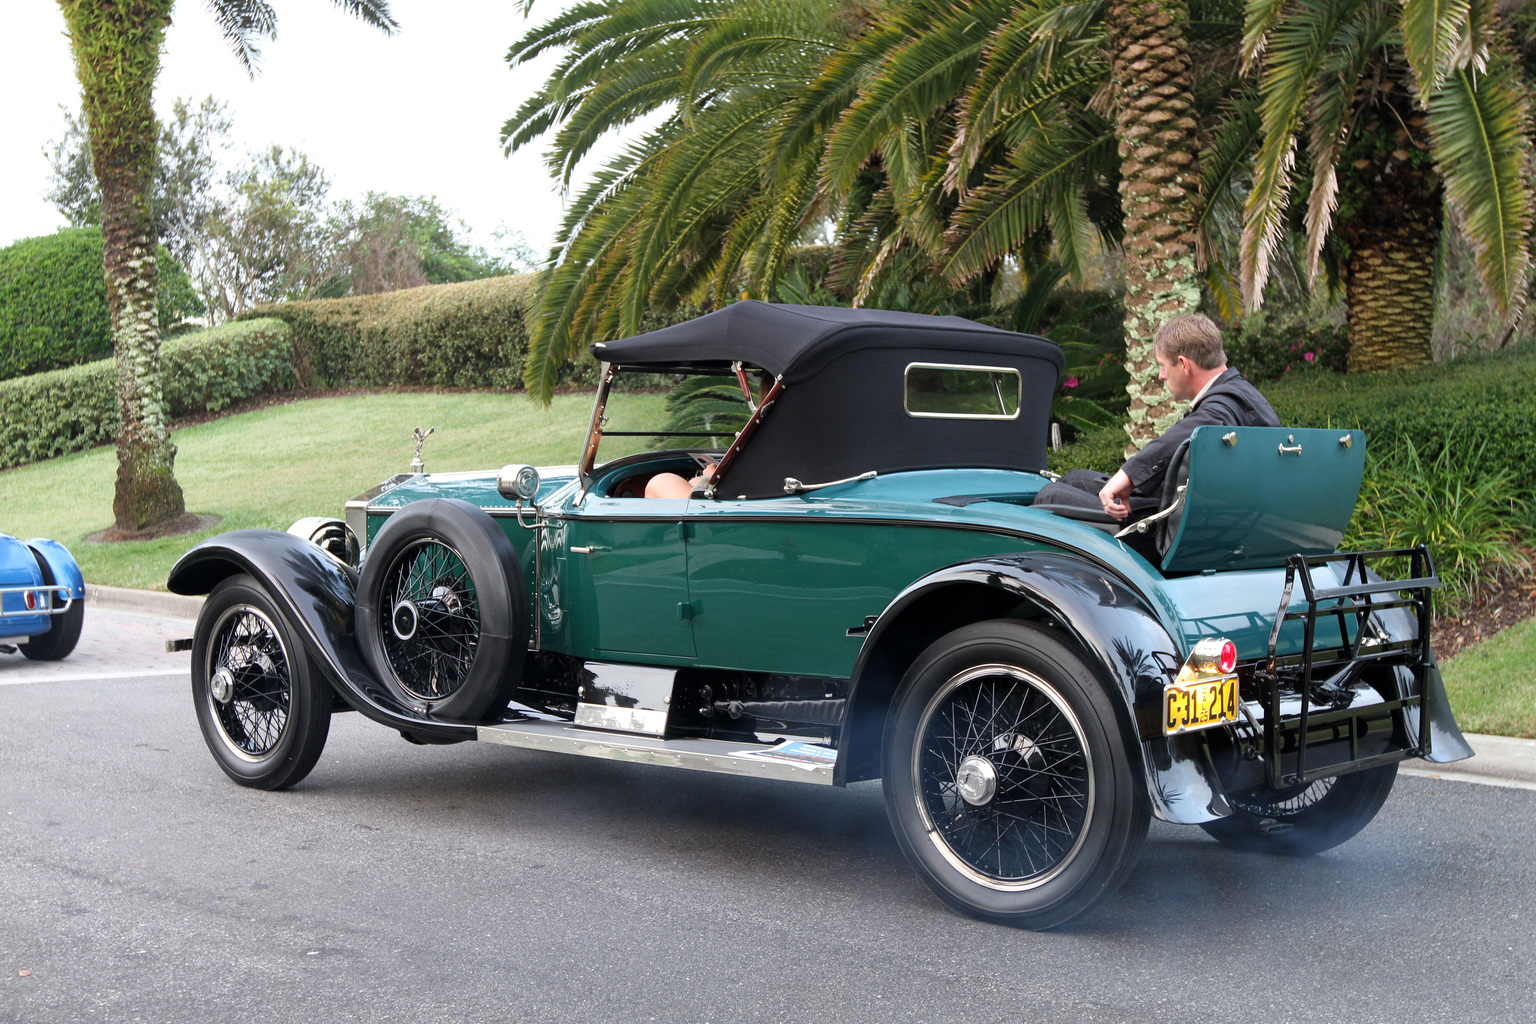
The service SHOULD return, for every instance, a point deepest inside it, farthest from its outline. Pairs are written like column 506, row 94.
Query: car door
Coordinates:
column 777, row 584
column 622, row 571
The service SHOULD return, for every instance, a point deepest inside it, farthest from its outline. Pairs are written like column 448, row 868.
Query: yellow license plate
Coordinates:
column 1199, row 705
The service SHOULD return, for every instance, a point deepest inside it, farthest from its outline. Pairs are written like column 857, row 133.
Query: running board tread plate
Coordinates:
column 725, row 757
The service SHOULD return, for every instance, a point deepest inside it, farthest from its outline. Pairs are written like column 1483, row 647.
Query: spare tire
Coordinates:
column 442, row 610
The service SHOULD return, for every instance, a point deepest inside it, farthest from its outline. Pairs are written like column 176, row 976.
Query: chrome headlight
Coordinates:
column 332, row 536
column 517, row 483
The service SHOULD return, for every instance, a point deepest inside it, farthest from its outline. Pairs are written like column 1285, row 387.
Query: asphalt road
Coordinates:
column 479, row 883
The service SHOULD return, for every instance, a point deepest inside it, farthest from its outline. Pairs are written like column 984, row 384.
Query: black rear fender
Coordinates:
column 1107, row 620
column 318, row 593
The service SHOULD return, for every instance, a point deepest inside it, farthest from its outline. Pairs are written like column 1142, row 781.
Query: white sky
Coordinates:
column 416, row 113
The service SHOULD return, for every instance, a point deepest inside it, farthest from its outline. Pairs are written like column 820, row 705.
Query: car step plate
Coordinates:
column 730, row 757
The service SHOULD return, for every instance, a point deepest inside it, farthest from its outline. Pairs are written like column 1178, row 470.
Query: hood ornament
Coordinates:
column 421, row 438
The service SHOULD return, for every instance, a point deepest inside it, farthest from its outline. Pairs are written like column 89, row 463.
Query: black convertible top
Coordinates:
column 842, row 407
column 796, row 341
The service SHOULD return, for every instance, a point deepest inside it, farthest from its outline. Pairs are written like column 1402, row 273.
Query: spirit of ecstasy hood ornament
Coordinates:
column 421, row 438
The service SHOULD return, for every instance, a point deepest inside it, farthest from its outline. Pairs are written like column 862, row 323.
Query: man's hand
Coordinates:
column 1116, row 495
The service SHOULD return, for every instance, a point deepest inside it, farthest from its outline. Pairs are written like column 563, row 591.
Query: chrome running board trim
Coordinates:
column 725, row 757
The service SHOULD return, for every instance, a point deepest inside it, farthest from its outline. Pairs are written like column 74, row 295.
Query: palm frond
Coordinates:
column 1480, row 128
column 1434, row 35
column 241, row 22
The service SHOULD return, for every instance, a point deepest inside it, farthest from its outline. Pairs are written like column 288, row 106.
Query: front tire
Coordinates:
column 1008, row 783
column 264, row 710
column 1304, row 820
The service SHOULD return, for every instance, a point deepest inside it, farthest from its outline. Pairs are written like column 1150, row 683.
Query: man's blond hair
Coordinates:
column 1193, row 336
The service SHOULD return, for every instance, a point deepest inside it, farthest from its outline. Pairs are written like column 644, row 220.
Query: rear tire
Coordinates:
column 263, row 707
column 63, row 629
column 1304, row 820
column 1007, row 779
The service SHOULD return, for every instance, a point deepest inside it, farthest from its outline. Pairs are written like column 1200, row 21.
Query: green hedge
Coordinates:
column 469, row 334
column 1475, row 400
column 62, row 411
column 53, row 301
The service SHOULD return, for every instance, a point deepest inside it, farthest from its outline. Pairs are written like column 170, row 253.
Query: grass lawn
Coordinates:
column 1492, row 685
column 274, row 465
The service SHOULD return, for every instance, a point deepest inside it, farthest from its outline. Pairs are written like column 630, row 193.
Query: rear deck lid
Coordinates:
column 1257, row 495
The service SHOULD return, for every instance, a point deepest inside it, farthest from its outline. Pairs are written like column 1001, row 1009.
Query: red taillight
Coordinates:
column 1226, row 661
column 30, row 599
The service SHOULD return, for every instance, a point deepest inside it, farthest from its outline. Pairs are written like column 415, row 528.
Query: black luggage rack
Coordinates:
column 1327, row 677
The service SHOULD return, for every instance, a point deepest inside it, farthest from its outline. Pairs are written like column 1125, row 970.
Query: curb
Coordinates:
column 142, row 602
column 1497, row 761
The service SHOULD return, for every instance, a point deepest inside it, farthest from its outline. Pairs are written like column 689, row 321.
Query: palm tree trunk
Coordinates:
column 116, row 46
column 1159, row 191
column 1392, row 232
column 1389, row 284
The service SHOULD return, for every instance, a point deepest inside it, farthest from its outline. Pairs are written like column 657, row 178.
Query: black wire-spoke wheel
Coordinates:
column 1300, row 821
column 434, row 622
column 442, row 613
column 250, row 683
column 263, row 709
column 1007, row 780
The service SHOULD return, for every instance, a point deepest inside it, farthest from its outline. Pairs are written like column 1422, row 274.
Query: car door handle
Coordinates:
column 588, row 549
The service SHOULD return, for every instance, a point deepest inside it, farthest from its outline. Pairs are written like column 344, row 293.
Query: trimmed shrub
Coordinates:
column 1487, row 402
column 53, row 301
column 468, row 334
column 1272, row 352
column 75, row 408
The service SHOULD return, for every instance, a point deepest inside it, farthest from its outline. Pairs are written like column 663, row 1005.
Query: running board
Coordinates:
column 727, row 757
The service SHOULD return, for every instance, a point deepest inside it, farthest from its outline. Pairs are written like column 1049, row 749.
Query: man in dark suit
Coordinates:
column 1193, row 365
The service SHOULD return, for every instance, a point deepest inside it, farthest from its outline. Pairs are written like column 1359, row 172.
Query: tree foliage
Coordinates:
column 1327, row 67
column 53, row 301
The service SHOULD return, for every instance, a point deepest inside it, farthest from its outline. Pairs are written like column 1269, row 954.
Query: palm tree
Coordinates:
column 1407, row 109
column 1039, row 108
column 116, row 46
column 938, row 136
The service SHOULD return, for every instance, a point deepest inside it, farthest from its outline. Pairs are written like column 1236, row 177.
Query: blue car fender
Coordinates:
column 65, row 570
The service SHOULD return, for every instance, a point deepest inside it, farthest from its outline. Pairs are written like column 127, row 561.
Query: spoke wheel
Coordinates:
column 1004, row 781
column 442, row 611
column 1304, row 820
column 1007, row 779
column 434, row 625
column 263, row 710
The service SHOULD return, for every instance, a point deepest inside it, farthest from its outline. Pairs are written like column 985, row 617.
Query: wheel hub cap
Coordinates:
column 403, row 620
column 222, row 685
column 976, row 780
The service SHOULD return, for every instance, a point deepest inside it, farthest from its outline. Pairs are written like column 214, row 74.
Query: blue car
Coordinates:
column 42, row 598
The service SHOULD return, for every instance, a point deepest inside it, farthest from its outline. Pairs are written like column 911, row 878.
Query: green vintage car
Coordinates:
column 862, row 588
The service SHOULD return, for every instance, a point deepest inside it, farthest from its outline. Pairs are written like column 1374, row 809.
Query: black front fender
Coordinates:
column 319, row 594
column 1109, row 621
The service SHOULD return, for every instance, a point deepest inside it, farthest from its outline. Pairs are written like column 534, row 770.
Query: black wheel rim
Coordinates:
column 253, row 715
column 1037, row 816
column 430, row 619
